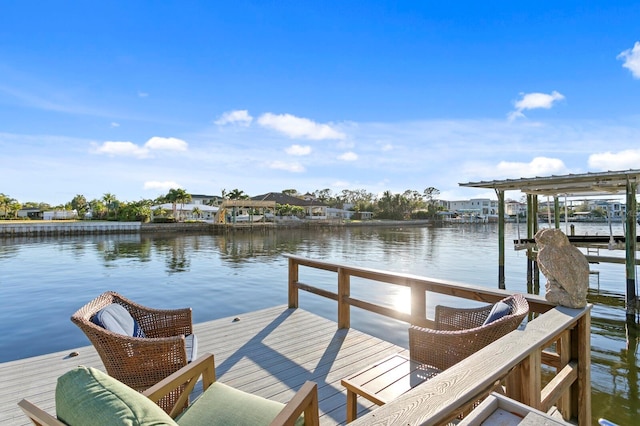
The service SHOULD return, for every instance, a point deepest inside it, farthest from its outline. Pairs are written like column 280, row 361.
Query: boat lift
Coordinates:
column 572, row 185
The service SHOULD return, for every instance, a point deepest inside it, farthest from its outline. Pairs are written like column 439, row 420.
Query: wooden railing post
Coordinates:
column 563, row 348
column 418, row 304
column 583, row 384
column 531, row 379
column 293, row 279
column 512, row 382
column 344, row 291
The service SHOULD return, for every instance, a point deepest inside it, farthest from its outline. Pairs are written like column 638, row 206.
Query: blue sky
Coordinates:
column 135, row 98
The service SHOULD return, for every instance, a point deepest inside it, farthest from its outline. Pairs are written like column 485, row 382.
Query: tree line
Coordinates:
column 410, row 204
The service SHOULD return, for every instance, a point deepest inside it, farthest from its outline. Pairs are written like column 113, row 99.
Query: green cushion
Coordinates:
column 226, row 406
column 87, row 396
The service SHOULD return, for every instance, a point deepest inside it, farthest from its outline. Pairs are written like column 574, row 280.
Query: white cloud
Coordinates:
column 514, row 115
column 296, row 127
column 538, row 100
column 126, row 149
column 163, row 186
column 631, row 59
column 539, row 166
column 438, row 153
column 298, row 150
column 623, row 160
column 240, row 117
column 114, row 124
column 290, row 167
column 534, row 101
column 166, row 144
column 129, row 149
column 348, row 156
column 387, row 147
column 142, row 94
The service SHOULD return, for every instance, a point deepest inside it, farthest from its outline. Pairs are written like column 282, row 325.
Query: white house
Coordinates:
column 333, row 213
column 513, row 208
column 186, row 211
column 480, row 206
column 60, row 215
column 209, row 200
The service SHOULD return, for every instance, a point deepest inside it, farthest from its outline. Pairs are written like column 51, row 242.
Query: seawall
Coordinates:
column 11, row 229
column 59, row 228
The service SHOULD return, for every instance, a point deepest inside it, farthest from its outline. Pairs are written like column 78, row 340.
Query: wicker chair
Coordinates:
column 139, row 362
column 462, row 332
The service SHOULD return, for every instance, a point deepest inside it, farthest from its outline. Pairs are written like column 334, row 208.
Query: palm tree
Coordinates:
column 79, row 204
column 172, row 197
column 237, row 194
column 159, row 212
column 15, row 207
column 4, row 202
column 178, row 195
column 430, row 194
column 109, row 200
column 196, row 212
column 97, row 208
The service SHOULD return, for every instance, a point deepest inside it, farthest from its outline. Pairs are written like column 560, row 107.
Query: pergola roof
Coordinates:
column 603, row 183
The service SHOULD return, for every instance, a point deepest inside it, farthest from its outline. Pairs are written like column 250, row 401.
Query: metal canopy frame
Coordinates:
column 573, row 185
column 595, row 184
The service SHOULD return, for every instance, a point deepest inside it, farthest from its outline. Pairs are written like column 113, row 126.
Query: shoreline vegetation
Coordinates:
column 348, row 208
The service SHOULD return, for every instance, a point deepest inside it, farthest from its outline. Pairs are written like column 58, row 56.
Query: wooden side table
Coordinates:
column 384, row 381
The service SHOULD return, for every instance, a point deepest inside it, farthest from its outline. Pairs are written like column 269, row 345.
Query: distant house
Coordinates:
column 515, row 208
column 480, row 206
column 209, row 200
column 347, row 212
column 60, row 215
column 31, row 213
column 334, row 213
column 186, row 211
column 313, row 208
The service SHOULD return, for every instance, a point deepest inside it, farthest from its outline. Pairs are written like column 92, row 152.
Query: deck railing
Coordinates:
column 545, row 365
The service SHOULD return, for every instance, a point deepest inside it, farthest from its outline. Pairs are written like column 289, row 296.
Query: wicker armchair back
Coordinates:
column 462, row 332
column 139, row 362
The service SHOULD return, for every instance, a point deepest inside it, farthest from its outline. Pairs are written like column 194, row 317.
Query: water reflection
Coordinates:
column 614, row 358
column 8, row 251
column 175, row 252
column 114, row 250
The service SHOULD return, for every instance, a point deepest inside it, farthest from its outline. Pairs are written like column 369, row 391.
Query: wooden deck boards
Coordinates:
column 271, row 353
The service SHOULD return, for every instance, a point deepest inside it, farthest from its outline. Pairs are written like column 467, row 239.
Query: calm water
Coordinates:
column 44, row 280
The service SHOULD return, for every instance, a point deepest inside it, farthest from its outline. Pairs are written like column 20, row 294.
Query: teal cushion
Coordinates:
column 225, row 406
column 87, row 396
column 498, row 311
column 116, row 318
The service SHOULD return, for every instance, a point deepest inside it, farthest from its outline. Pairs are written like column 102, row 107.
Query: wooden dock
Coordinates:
column 270, row 353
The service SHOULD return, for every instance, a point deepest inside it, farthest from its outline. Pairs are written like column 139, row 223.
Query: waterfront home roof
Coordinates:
column 281, row 198
column 204, row 196
column 602, row 183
